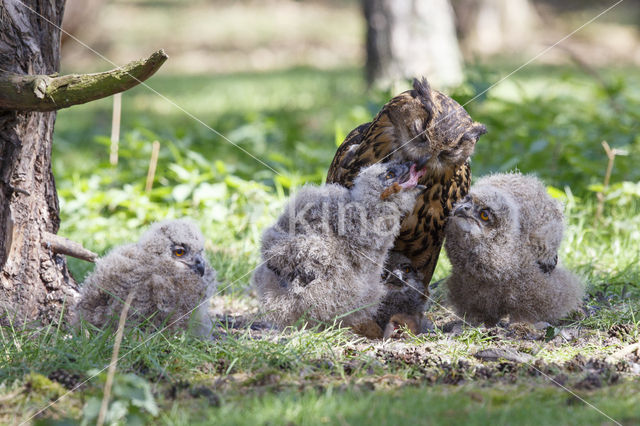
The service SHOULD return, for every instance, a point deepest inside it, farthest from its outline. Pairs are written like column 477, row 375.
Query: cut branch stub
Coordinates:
column 61, row 245
column 51, row 93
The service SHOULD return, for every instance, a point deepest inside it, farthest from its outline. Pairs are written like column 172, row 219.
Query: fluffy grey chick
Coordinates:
column 323, row 258
column 166, row 269
column 503, row 240
column 405, row 295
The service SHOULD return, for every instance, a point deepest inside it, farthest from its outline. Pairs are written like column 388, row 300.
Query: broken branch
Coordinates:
column 61, row 245
column 51, row 93
column 611, row 155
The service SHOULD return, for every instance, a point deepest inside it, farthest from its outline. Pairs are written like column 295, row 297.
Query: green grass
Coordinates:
column 445, row 405
column 302, row 377
column 545, row 120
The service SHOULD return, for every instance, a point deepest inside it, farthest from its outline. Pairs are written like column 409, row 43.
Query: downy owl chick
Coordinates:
column 323, row 259
column 502, row 240
column 405, row 296
column 167, row 271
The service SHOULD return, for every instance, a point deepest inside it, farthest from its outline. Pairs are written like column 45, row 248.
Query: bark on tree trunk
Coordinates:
column 412, row 38
column 34, row 282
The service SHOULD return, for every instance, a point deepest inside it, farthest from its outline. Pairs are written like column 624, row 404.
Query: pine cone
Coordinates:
column 65, row 378
column 621, row 330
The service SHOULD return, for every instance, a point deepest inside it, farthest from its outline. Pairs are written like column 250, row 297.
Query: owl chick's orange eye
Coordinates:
column 390, row 175
column 179, row 252
column 407, row 269
column 484, row 215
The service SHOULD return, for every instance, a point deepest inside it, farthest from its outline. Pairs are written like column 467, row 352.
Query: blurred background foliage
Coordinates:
column 284, row 80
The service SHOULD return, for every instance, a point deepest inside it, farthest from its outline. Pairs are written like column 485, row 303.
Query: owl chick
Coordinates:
column 166, row 270
column 405, row 295
column 503, row 241
column 323, row 258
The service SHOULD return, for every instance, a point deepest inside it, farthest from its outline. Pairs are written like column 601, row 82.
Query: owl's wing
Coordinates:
column 340, row 169
column 365, row 145
column 297, row 275
column 545, row 243
column 162, row 296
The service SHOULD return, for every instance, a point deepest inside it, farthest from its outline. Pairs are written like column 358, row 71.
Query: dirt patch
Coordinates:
column 568, row 355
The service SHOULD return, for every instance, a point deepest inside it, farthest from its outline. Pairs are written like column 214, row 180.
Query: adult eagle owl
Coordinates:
column 427, row 127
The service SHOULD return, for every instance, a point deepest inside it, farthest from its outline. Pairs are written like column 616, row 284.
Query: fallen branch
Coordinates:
column 61, row 245
column 50, row 93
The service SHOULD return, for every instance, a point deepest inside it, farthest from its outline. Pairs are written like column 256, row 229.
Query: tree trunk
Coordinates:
column 35, row 282
column 489, row 27
column 412, row 38
column 79, row 19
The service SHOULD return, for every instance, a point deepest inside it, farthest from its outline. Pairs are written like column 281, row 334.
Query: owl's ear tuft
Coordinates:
column 422, row 91
column 422, row 88
column 477, row 130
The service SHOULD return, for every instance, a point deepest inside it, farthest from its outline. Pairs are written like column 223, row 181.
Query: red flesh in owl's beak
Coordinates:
column 414, row 177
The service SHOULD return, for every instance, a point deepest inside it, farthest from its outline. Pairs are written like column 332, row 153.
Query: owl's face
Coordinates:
column 440, row 131
column 387, row 179
column 384, row 180
column 486, row 215
column 188, row 257
column 178, row 244
column 403, row 175
column 400, row 273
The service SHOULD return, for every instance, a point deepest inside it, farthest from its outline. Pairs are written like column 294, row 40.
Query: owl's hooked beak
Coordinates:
column 411, row 178
column 462, row 210
column 422, row 162
column 398, row 274
column 463, row 207
column 198, row 265
column 463, row 219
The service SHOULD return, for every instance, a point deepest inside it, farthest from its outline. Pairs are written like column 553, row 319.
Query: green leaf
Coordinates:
column 209, row 191
column 117, row 410
column 181, row 192
column 556, row 193
column 182, row 173
column 91, row 410
column 551, row 333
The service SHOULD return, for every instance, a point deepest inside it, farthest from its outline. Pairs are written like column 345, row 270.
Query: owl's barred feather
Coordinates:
column 503, row 241
column 418, row 125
